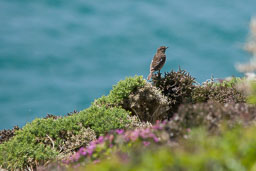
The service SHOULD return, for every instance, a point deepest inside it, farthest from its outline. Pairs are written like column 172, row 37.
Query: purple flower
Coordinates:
column 146, row 143
column 96, row 161
column 82, row 151
column 76, row 166
column 65, row 161
column 156, row 139
column 156, row 127
column 145, row 133
column 164, row 122
column 119, row 131
column 100, row 140
column 91, row 148
column 75, row 157
column 110, row 138
column 134, row 135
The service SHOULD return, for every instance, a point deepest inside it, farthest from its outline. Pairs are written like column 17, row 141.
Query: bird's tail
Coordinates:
column 150, row 75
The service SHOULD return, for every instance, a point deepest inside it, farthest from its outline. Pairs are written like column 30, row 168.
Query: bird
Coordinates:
column 158, row 61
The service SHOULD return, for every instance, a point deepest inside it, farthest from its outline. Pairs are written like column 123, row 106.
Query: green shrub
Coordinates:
column 43, row 139
column 148, row 103
column 180, row 88
column 102, row 119
column 230, row 83
column 220, row 92
column 23, row 151
column 177, row 86
column 252, row 93
column 210, row 115
column 121, row 91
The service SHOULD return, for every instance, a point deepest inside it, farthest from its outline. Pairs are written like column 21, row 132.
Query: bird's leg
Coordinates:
column 158, row 73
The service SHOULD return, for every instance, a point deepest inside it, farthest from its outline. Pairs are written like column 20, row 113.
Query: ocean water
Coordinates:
column 57, row 55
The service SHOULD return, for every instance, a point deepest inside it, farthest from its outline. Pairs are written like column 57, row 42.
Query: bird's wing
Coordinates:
column 157, row 63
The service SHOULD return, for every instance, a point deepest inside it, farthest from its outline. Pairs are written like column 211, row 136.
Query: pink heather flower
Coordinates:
column 134, row 135
column 156, row 127
column 188, row 129
column 126, row 137
column 119, row 131
column 164, row 122
column 145, row 133
column 159, row 125
column 93, row 143
column 156, row 139
column 65, row 161
column 100, row 140
column 76, row 166
column 111, row 137
column 96, row 161
column 76, row 157
column 146, row 143
column 82, row 151
column 91, row 148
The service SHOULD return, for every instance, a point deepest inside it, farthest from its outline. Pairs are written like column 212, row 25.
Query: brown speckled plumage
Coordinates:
column 158, row 61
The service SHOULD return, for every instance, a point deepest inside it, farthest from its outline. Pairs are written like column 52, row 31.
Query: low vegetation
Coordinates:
column 117, row 129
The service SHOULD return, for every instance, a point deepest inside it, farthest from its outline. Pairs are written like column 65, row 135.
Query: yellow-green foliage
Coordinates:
column 230, row 83
column 102, row 119
column 233, row 150
column 33, row 144
column 252, row 96
column 121, row 91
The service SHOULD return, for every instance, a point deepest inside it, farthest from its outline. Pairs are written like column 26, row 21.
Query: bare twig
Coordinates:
column 50, row 140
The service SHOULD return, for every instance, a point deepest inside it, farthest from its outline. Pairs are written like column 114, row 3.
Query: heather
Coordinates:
column 229, row 150
column 135, row 117
column 158, row 148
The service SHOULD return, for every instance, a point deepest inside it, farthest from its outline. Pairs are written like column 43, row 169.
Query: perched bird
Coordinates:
column 158, row 61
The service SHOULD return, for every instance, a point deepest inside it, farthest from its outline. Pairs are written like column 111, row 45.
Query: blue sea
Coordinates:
column 57, row 56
